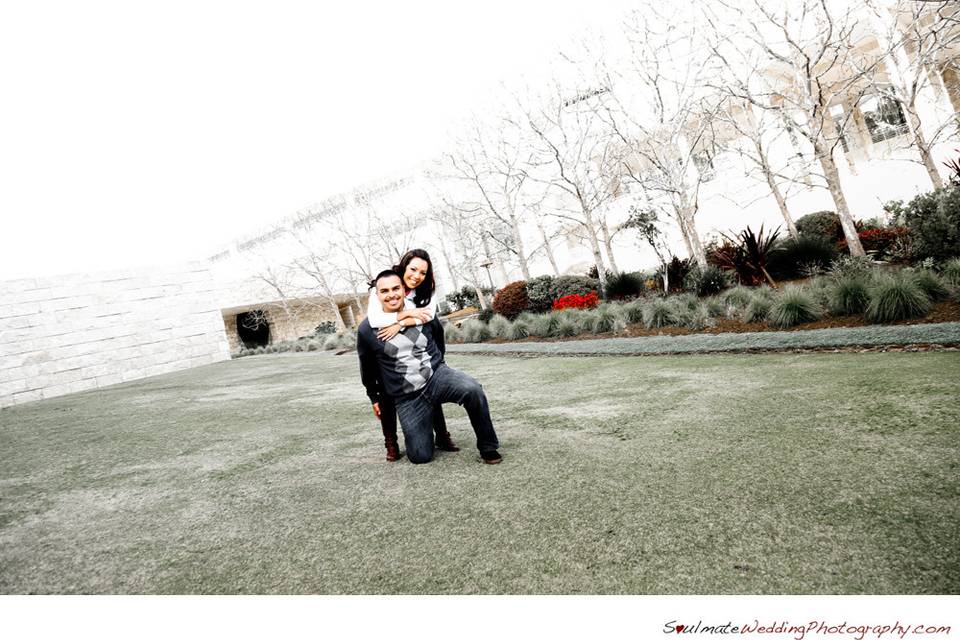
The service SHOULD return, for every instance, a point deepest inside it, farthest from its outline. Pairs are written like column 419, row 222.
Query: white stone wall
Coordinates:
column 70, row 333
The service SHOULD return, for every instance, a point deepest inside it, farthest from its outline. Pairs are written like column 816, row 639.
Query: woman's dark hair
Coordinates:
column 424, row 292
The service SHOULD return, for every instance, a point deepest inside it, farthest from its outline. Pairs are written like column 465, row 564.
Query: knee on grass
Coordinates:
column 420, row 455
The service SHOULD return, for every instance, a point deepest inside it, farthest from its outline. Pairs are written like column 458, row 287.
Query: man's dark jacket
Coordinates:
column 401, row 366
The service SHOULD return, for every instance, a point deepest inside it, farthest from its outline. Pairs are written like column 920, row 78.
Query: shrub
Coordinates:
column 795, row 257
column 951, row 272
column 850, row 266
column 757, row 309
column 696, row 318
column 511, row 300
column 659, row 313
column 519, row 329
column 677, row 271
column 467, row 297
column 794, row 306
column 540, row 294
column 625, row 285
column 332, row 342
column 848, row 295
column 825, row 224
column 444, row 308
column 931, row 284
column 573, row 285
column 485, row 315
column 880, row 244
column 499, row 326
column 706, row 281
column 326, row 327
column 577, row 301
column 895, row 298
column 933, row 223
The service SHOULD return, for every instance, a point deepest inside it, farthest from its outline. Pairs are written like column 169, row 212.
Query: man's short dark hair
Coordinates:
column 386, row 273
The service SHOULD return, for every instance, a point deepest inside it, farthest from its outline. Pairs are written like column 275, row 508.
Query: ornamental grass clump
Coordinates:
column 794, row 306
column 738, row 297
column 931, row 284
column 848, row 296
column 715, row 307
column 542, row 326
column 633, row 312
column 452, row 333
column 566, row 328
column 697, row 318
column 951, row 272
column 895, row 298
column 519, row 329
column 606, row 319
column 332, row 342
column 758, row 309
column 499, row 326
column 658, row 314
column 475, row 331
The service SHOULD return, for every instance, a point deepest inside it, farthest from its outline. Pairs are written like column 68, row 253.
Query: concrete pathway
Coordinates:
column 947, row 333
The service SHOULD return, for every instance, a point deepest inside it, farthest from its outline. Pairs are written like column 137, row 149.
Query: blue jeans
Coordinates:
column 445, row 385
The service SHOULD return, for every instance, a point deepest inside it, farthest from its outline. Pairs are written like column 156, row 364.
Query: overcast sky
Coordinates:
column 137, row 133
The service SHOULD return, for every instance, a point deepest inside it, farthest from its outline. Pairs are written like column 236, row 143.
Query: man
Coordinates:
column 410, row 368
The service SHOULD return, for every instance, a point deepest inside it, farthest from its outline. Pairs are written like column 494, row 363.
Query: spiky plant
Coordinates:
column 794, row 306
column 738, row 297
column 605, row 319
column 452, row 333
column 697, row 319
column 475, row 331
column 849, row 295
column 715, row 307
column 895, row 298
column 659, row 313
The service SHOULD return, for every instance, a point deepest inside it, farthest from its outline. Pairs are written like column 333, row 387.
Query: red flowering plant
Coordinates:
column 575, row 301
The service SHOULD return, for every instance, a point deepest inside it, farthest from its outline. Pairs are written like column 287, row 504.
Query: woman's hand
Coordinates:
column 421, row 314
column 387, row 333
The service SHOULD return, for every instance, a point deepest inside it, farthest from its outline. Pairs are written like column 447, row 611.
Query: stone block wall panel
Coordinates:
column 85, row 331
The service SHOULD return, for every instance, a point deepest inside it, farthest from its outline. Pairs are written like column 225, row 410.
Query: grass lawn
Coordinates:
column 802, row 473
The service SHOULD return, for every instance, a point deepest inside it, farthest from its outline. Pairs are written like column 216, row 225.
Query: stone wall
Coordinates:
column 70, row 333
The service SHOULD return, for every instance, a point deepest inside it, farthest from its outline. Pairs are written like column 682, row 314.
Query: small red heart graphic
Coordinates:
column 681, row 627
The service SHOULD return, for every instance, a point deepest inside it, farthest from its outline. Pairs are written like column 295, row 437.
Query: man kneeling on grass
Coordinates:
column 412, row 371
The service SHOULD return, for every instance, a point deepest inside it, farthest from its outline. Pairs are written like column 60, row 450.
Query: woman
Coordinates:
column 416, row 271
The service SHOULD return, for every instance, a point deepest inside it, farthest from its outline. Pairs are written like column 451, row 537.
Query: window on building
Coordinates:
column 884, row 116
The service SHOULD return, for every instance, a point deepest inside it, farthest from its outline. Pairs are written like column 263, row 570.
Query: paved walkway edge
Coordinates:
column 947, row 333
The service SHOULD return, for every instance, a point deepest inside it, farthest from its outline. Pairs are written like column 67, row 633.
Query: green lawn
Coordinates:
column 795, row 473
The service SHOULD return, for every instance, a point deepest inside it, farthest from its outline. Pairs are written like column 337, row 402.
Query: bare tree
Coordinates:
column 574, row 158
column 916, row 40
column 810, row 60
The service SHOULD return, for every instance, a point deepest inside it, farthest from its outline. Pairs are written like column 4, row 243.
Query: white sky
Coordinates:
column 139, row 133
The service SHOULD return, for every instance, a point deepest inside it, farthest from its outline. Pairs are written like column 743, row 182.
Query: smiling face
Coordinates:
column 390, row 293
column 415, row 273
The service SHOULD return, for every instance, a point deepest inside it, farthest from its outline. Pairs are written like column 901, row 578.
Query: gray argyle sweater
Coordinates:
column 401, row 366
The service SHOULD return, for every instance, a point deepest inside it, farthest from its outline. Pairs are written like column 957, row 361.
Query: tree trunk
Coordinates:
column 481, row 298
column 608, row 244
column 775, row 190
column 913, row 118
column 446, row 258
column 547, row 248
column 832, row 177
column 595, row 246
column 518, row 238
column 687, row 214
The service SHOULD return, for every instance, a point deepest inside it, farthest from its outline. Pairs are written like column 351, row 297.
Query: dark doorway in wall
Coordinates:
column 253, row 329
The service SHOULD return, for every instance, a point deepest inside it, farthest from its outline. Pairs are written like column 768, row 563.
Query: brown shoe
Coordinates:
column 491, row 457
column 393, row 450
column 445, row 443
